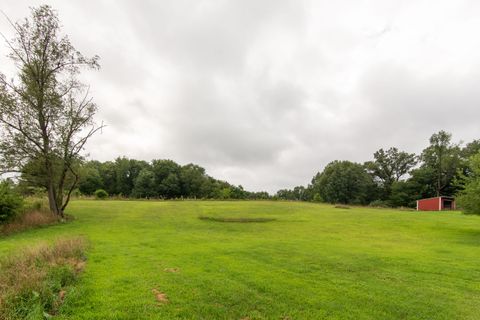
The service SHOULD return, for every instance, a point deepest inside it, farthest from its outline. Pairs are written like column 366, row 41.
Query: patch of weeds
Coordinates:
column 29, row 220
column 341, row 206
column 240, row 220
column 35, row 213
column 34, row 282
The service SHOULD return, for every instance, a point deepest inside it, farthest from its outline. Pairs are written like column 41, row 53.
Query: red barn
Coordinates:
column 436, row 204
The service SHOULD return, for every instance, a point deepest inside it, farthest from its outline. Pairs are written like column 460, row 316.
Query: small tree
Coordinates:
column 317, row 198
column 469, row 198
column 45, row 111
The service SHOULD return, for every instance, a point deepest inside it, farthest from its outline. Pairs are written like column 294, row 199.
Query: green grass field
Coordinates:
column 312, row 262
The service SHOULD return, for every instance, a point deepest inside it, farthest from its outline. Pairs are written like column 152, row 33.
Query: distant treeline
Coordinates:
column 393, row 178
column 161, row 179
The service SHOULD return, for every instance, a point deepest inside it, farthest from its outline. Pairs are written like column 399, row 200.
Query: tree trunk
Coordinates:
column 439, row 173
column 55, row 207
column 60, row 192
column 52, row 201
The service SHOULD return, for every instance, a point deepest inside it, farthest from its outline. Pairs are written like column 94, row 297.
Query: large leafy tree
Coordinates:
column 390, row 166
column 343, row 182
column 192, row 179
column 471, row 149
column 46, row 114
column 167, row 178
column 443, row 159
column 126, row 172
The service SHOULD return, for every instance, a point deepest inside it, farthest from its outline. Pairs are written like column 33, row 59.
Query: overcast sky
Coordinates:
column 266, row 93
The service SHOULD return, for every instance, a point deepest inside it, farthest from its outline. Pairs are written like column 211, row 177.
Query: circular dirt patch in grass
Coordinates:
column 239, row 219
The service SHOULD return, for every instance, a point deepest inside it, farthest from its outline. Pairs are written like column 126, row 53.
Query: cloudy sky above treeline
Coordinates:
column 265, row 93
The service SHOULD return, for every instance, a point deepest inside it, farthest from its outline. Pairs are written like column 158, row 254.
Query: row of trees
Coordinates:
column 396, row 178
column 141, row 179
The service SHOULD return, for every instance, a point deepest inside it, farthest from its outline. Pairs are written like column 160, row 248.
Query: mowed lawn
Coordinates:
column 314, row 262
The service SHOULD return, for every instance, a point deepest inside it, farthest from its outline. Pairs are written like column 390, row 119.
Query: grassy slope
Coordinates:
column 314, row 262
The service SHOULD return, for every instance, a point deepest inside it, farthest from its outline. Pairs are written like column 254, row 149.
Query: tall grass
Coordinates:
column 35, row 213
column 34, row 282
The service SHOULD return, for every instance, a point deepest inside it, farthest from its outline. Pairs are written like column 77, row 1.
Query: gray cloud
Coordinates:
column 266, row 93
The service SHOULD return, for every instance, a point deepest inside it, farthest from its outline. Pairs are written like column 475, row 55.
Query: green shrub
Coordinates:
column 469, row 198
column 317, row 198
column 469, row 203
column 10, row 202
column 101, row 194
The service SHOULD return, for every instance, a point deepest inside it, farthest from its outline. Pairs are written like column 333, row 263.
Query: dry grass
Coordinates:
column 341, row 206
column 29, row 220
column 33, row 282
column 35, row 213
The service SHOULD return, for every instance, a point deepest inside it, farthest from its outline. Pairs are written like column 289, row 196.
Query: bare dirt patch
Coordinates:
column 238, row 220
column 160, row 296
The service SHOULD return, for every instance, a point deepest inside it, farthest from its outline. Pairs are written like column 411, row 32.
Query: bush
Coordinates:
column 10, row 202
column 469, row 203
column 101, row 194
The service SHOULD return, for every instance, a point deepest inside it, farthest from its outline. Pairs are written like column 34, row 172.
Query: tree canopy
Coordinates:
column 343, row 182
column 390, row 166
column 160, row 178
